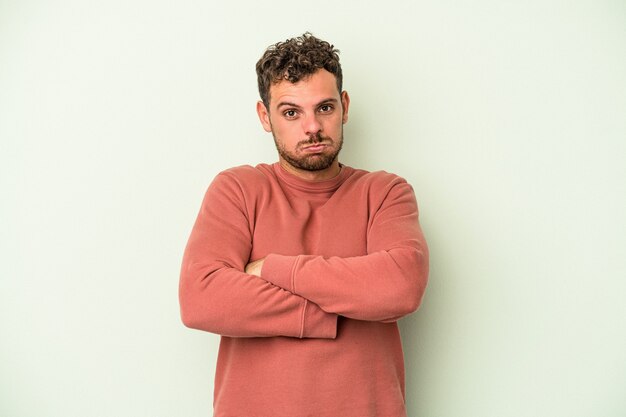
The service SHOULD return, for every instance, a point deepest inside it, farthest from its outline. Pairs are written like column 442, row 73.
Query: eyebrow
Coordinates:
column 290, row 104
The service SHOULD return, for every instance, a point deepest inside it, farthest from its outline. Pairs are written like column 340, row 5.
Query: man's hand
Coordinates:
column 254, row 268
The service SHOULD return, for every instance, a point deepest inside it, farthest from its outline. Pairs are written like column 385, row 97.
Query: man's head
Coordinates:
column 303, row 105
column 294, row 60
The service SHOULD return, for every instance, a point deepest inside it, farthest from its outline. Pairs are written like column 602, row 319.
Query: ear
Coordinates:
column 264, row 116
column 345, row 104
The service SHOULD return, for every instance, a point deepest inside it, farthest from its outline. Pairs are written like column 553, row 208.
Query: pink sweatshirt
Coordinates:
column 316, row 335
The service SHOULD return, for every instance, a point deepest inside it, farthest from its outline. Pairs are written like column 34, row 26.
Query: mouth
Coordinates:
column 318, row 147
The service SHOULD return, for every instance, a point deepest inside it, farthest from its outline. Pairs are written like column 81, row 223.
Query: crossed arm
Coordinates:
column 298, row 296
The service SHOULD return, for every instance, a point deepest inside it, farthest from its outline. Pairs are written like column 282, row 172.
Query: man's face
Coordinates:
column 306, row 120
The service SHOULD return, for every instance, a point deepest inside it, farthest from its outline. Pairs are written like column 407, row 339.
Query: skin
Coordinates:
column 306, row 119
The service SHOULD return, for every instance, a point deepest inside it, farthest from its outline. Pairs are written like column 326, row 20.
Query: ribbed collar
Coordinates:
column 327, row 187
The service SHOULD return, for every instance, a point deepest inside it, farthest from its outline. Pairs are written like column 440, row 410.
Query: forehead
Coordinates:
column 318, row 86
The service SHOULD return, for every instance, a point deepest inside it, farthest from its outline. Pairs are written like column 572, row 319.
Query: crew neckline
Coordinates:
column 321, row 186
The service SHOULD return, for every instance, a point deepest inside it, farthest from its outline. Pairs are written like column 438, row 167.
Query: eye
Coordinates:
column 326, row 108
column 290, row 114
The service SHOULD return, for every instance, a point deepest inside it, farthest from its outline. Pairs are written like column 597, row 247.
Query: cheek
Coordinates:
column 334, row 126
column 286, row 133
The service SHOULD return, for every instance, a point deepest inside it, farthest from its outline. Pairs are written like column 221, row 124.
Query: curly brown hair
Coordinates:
column 295, row 59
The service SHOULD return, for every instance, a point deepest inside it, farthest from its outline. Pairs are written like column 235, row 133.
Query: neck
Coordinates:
column 324, row 174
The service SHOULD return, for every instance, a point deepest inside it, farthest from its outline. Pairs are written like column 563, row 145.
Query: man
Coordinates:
column 304, row 266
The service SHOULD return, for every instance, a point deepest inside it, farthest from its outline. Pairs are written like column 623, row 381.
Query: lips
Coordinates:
column 315, row 148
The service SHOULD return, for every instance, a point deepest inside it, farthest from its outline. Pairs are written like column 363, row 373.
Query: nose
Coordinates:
column 311, row 125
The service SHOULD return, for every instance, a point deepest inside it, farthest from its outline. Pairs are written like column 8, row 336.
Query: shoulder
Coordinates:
column 380, row 189
column 247, row 173
column 376, row 181
column 243, row 182
column 246, row 176
column 383, row 194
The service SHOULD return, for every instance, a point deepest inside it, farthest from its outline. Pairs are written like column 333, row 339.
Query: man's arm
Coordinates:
column 383, row 285
column 215, row 293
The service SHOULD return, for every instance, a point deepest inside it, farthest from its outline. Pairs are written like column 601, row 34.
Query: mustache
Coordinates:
column 313, row 139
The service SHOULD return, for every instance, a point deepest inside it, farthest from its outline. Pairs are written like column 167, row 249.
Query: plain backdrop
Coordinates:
column 507, row 117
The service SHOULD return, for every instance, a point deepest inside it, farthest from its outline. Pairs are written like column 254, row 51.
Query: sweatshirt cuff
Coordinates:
column 317, row 323
column 279, row 270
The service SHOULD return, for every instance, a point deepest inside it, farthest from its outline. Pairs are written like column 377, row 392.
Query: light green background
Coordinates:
column 508, row 117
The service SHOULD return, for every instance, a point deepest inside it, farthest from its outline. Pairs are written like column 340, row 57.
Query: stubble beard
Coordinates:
column 313, row 162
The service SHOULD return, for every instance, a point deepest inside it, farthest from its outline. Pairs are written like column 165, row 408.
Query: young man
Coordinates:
column 304, row 266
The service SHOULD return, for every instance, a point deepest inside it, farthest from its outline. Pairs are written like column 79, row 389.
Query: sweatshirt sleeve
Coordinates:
column 217, row 296
column 384, row 285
